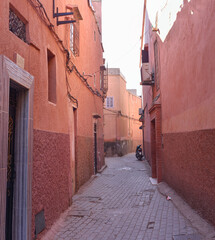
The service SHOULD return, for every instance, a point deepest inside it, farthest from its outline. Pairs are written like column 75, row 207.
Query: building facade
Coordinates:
column 178, row 94
column 51, row 109
column 121, row 117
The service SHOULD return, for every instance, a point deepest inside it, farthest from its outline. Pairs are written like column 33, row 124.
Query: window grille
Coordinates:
column 74, row 38
column 109, row 102
column 17, row 26
column 104, row 79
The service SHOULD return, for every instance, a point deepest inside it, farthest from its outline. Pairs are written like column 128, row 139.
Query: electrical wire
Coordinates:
column 119, row 113
column 70, row 66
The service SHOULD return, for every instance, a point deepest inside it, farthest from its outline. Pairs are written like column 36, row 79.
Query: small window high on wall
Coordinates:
column 52, row 96
column 74, row 38
column 109, row 102
column 17, row 26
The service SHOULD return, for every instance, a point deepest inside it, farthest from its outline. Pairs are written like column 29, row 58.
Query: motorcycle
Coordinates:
column 139, row 153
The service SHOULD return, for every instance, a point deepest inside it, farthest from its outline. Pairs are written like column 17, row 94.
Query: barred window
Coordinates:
column 109, row 102
column 17, row 26
column 74, row 38
column 103, row 79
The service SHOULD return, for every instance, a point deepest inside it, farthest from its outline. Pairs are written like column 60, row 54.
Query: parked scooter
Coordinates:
column 139, row 153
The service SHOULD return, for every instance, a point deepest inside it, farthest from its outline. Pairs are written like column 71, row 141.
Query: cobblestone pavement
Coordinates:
column 122, row 204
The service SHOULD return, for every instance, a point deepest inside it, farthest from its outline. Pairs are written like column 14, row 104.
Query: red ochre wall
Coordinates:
column 190, row 168
column 53, row 180
column 89, row 62
column 187, row 105
column 188, row 108
column 50, row 183
column 50, row 176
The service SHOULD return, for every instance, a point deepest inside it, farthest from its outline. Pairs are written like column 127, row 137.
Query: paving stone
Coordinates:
column 121, row 203
column 194, row 236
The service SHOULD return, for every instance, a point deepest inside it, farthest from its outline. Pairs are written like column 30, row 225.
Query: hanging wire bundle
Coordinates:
column 70, row 66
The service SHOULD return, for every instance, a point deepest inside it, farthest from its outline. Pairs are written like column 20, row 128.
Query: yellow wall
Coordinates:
column 122, row 121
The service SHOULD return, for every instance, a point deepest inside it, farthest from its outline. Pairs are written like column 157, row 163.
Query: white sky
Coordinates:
column 121, row 29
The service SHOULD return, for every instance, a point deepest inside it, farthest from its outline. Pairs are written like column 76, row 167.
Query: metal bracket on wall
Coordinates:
column 57, row 15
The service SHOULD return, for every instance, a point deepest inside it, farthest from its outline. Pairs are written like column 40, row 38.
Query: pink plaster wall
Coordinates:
column 187, row 103
column 185, row 71
column 57, row 165
column 97, row 4
column 121, row 123
column 189, row 51
column 188, row 122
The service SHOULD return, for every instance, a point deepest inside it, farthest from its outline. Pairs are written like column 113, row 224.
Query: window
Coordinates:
column 109, row 102
column 17, row 26
column 52, row 96
column 103, row 79
column 74, row 38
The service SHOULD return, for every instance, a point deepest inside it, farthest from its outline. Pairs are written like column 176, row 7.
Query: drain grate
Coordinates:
column 194, row 236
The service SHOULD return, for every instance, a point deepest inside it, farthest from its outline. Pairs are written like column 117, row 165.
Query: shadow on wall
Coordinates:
column 119, row 148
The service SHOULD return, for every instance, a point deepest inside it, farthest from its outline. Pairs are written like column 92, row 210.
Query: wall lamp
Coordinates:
column 57, row 15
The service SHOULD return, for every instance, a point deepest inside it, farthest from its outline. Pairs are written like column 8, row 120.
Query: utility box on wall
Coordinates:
column 145, row 69
column 145, row 72
column 147, row 78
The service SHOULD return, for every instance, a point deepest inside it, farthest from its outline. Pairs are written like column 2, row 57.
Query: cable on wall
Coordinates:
column 70, row 66
column 120, row 114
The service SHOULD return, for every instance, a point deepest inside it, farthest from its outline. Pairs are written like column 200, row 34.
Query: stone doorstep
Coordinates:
column 202, row 226
column 153, row 181
column 102, row 169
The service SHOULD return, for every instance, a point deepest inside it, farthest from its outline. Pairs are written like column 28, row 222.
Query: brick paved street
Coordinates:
column 122, row 204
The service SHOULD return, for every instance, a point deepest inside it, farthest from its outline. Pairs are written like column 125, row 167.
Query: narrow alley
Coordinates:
column 83, row 85
column 121, row 203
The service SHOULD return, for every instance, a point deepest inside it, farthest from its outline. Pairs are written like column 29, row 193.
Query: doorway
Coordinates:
column 74, row 139
column 95, row 148
column 16, row 118
column 153, row 149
